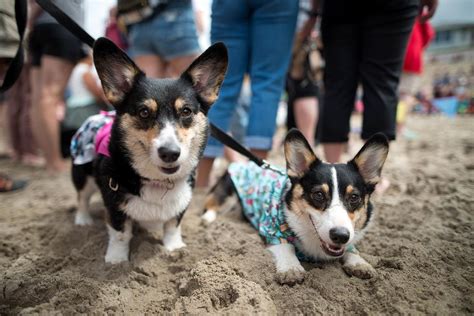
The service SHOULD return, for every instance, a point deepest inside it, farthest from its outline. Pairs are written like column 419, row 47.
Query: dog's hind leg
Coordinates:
column 85, row 187
column 222, row 190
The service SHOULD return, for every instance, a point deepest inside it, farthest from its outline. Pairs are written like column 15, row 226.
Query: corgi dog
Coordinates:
column 143, row 157
column 312, row 211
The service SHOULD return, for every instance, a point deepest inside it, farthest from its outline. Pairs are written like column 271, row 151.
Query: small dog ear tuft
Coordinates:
column 207, row 72
column 117, row 72
column 298, row 153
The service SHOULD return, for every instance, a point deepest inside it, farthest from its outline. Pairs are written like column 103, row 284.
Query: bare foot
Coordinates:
column 33, row 160
column 57, row 168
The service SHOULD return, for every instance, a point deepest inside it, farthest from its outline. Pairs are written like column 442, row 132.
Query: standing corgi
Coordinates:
column 143, row 158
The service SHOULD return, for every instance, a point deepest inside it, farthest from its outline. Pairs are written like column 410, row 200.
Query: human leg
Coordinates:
column 269, row 57
column 384, row 39
column 177, row 65
column 229, row 25
column 306, row 116
column 152, row 65
column 341, row 50
column 54, row 75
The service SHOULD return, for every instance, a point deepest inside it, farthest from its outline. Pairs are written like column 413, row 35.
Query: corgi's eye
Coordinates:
column 318, row 196
column 144, row 113
column 354, row 199
column 186, row 112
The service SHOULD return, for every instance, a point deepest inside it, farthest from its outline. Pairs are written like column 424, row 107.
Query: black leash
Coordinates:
column 227, row 140
column 16, row 64
column 80, row 33
column 66, row 21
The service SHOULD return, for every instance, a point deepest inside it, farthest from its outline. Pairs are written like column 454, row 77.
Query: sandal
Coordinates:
column 9, row 185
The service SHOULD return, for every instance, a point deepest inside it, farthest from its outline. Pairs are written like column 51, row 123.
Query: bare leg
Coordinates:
column 35, row 78
column 204, row 169
column 233, row 156
column 306, row 117
column 178, row 65
column 262, row 154
column 153, row 66
column 333, row 152
column 54, row 75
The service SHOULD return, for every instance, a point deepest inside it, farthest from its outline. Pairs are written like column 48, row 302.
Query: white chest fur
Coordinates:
column 309, row 240
column 158, row 204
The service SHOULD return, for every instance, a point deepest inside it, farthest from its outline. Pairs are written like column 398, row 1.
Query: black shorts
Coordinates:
column 54, row 40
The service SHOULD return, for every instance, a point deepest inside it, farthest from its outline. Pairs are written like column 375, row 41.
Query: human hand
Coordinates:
column 427, row 9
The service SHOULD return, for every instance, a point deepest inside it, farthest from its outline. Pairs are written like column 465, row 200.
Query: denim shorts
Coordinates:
column 170, row 33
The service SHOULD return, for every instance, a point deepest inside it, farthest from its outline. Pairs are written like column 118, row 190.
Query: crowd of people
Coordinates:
column 318, row 52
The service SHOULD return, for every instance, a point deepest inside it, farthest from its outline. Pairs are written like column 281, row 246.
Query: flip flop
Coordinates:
column 9, row 185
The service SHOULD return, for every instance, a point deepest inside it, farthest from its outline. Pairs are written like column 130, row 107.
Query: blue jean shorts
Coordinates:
column 169, row 34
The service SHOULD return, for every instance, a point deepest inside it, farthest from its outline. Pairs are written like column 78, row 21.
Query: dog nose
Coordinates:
column 169, row 153
column 339, row 235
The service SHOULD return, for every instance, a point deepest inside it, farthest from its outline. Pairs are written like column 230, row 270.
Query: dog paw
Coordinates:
column 209, row 216
column 361, row 270
column 116, row 255
column 174, row 245
column 115, row 259
column 290, row 277
column 83, row 219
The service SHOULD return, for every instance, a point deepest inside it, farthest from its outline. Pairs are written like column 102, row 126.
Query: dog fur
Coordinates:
column 327, row 205
column 157, row 139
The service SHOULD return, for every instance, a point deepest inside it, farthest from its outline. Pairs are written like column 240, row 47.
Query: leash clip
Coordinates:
column 267, row 165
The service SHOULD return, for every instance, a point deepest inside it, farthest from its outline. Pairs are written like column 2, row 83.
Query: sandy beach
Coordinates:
column 420, row 243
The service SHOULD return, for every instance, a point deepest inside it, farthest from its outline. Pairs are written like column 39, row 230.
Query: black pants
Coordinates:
column 364, row 41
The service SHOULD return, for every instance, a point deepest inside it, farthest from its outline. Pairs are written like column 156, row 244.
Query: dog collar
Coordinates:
column 166, row 185
column 161, row 184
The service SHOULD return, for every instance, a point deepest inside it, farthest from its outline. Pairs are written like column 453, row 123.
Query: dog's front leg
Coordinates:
column 289, row 268
column 172, row 235
column 354, row 265
column 119, row 240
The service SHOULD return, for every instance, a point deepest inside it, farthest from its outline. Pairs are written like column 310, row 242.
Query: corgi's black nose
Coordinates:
column 339, row 235
column 169, row 153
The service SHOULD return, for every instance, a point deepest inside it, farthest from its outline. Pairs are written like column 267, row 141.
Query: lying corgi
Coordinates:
column 315, row 211
column 143, row 158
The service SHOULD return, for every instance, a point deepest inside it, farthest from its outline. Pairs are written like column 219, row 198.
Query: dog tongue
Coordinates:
column 334, row 248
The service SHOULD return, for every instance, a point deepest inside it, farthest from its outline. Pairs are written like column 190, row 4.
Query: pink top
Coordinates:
column 102, row 139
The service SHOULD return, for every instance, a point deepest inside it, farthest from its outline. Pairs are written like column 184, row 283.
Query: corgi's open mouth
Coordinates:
column 169, row 170
column 335, row 251
column 331, row 250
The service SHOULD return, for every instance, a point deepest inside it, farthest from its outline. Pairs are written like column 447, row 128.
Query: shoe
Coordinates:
column 9, row 185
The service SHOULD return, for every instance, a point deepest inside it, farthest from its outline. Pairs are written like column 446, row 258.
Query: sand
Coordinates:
column 420, row 243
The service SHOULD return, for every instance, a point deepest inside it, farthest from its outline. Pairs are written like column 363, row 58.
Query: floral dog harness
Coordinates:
column 262, row 193
column 92, row 138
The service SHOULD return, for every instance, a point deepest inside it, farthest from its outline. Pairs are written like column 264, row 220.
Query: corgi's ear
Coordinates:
column 117, row 72
column 298, row 153
column 207, row 72
column 371, row 158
